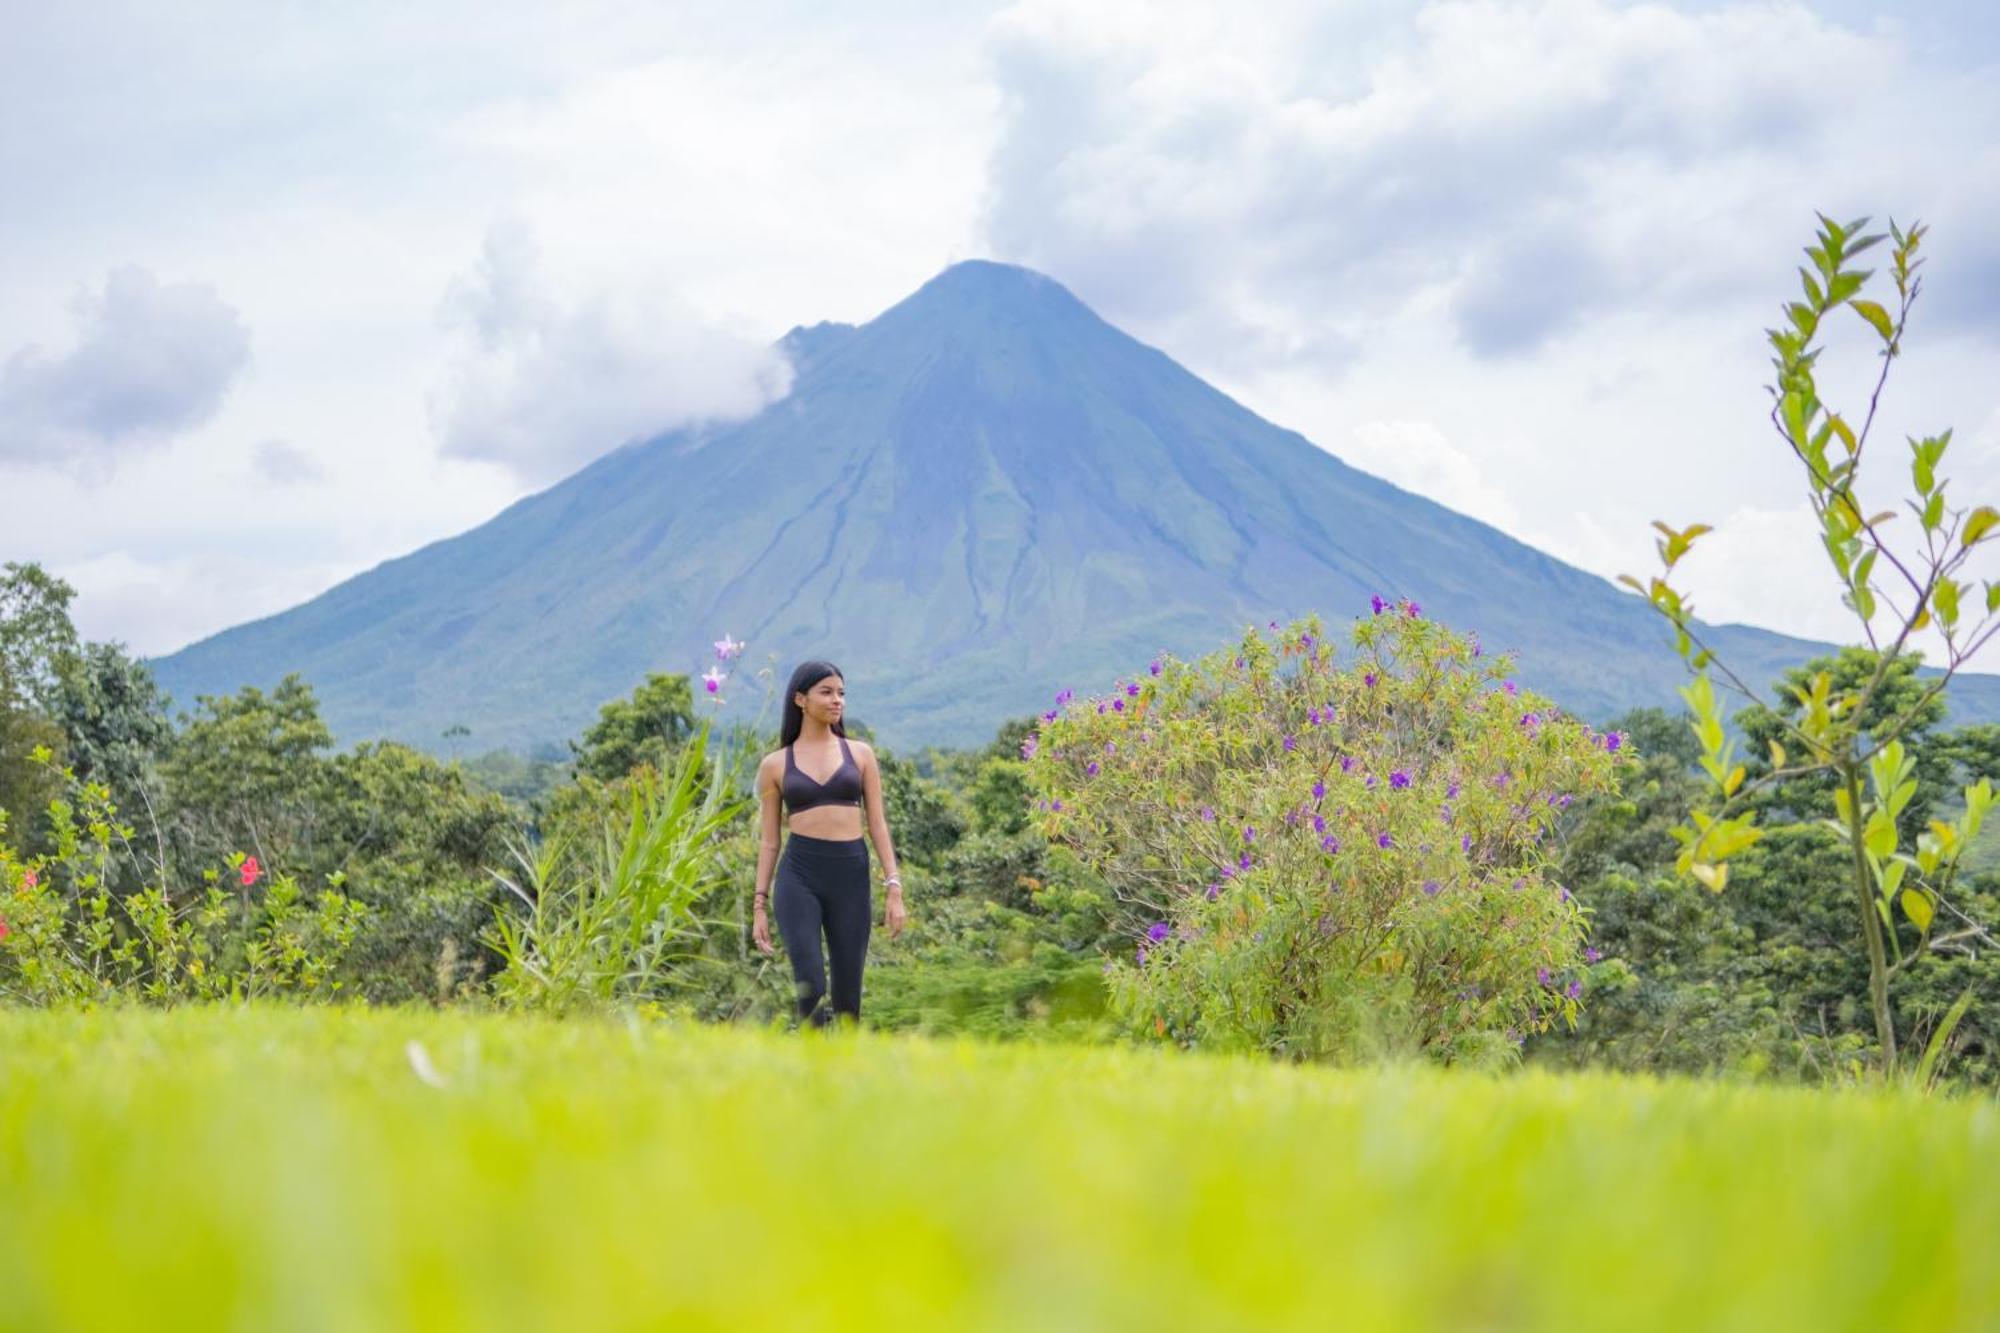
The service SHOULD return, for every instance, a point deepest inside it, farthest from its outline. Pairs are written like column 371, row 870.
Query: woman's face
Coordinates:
column 826, row 700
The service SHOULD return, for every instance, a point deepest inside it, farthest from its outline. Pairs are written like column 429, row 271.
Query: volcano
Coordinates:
column 981, row 496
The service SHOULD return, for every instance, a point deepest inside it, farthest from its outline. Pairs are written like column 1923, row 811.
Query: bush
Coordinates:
column 1318, row 861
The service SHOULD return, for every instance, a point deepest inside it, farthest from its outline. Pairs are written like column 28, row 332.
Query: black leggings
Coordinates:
column 824, row 882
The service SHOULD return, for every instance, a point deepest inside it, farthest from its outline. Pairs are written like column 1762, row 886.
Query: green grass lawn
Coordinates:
column 291, row 1170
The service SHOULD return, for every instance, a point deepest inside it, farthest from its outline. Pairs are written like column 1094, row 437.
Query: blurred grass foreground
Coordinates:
column 252, row 1168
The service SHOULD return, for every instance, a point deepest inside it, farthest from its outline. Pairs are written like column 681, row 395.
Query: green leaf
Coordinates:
column 1917, row 907
column 1945, row 598
column 1879, row 839
column 1934, row 1048
column 1876, row 316
column 1978, row 523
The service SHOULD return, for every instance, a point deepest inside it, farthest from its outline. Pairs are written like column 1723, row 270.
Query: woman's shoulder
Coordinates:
column 862, row 749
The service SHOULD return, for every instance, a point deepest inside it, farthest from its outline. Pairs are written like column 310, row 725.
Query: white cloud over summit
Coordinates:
column 544, row 386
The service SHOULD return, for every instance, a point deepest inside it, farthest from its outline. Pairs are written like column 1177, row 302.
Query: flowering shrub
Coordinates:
column 67, row 938
column 1315, row 858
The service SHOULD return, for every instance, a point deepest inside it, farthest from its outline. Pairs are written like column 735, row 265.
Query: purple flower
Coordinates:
column 1319, row 791
column 1412, row 610
column 1451, row 790
column 1100, row 706
column 1319, row 823
column 1111, row 747
column 1227, row 872
column 1208, row 813
column 1384, row 841
column 1291, row 744
column 1305, row 640
column 1056, row 804
column 1612, row 740
column 1091, row 768
column 1465, row 844
column 1249, row 832
column 1142, row 955
column 1028, row 747
column 1274, row 624
column 1213, row 891
column 1575, row 990
column 1155, row 667
column 1377, row 602
column 1064, row 696
column 1562, row 801
column 1399, row 779
column 1542, row 975
column 1329, row 844
column 1531, row 720
column 1508, row 686
column 1476, row 649
column 1049, row 716
column 1445, row 812
column 1158, row 931
column 1431, row 887
column 726, row 647
column 1591, row 954
column 1369, row 680
column 1370, row 784
column 1132, row 689
column 1347, row 763
column 712, row 679
column 1243, row 861
column 1118, row 705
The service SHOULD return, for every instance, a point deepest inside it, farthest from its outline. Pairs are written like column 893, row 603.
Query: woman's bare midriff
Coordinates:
column 840, row 822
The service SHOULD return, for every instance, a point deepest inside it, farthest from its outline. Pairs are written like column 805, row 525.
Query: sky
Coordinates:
column 292, row 290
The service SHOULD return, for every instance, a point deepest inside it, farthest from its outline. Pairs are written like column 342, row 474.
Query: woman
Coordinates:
column 823, row 875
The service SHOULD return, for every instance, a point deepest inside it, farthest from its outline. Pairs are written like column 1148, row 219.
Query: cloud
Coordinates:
column 544, row 385
column 1417, row 456
column 151, row 360
column 1528, row 166
column 285, row 464
column 155, row 602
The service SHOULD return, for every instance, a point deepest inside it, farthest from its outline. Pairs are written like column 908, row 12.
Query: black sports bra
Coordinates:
column 800, row 792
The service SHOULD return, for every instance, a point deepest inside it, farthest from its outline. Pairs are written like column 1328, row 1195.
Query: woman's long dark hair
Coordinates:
column 804, row 678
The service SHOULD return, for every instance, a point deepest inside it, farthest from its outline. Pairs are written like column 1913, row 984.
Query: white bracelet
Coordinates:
column 897, row 880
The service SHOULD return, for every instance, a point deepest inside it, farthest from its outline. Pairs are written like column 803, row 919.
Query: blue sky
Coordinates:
column 290, row 292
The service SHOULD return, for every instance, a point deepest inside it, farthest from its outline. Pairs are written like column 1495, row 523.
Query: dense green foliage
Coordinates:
column 245, row 1168
column 384, row 874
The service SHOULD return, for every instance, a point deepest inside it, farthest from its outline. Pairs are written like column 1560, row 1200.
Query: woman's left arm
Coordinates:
column 893, row 915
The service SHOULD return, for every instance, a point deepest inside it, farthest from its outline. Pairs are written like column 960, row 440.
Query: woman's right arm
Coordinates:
column 767, row 851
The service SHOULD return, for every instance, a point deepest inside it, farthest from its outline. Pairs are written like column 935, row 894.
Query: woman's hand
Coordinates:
column 894, row 916
column 760, row 930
